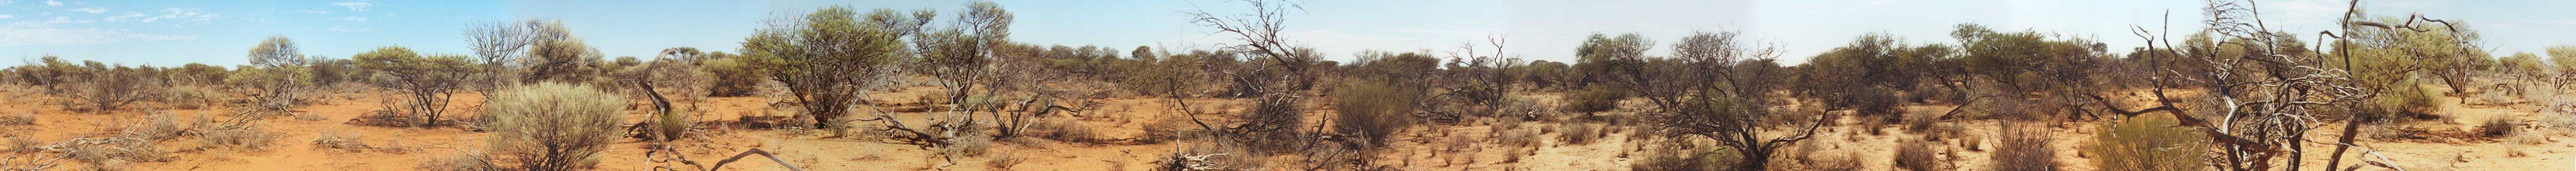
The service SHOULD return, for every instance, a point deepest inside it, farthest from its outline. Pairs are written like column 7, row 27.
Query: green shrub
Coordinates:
column 427, row 83
column 734, row 77
column 192, row 97
column 553, row 126
column 1373, row 110
column 2149, row 143
column 1592, row 99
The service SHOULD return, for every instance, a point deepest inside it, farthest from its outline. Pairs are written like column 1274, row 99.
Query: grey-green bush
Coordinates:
column 553, row 126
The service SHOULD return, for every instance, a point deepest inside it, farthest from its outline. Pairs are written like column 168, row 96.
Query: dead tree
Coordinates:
column 2270, row 96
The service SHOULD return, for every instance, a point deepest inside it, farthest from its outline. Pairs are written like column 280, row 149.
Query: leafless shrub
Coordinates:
column 1068, row 131
column 2024, row 148
column 18, row 119
column 22, row 145
column 1669, row 159
column 353, row 142
column 2148, row 143
column 2498, row 127
column 1579, row 133
column 103, row 87
column 1210, row 155
column 1917, row 156
column 1005, row 162
column 466, row 161
column 192, row 97
column 248, row 137
column 110, row 151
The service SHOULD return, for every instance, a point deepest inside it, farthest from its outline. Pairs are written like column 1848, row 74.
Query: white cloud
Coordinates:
column 357, row 19
column 345, row 29
column 53, row 3
column 90, row 10
column 128, row 15
column 189, row 14
column 7, row 16
column 355, row 5
column 6, row 2
column 313, row 11
column 59, row 20
column 83, row 36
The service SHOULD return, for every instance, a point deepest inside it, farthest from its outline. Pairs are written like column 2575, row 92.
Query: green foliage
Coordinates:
column 2563, row 59
column 428, row 82
column 553, row 126
column 563, row 60
column 735, row 76
column 1604, row 59
column 1593, row 99
column 283, row 77
column 2149, row 143
column 827, row 57
column 1545, row 74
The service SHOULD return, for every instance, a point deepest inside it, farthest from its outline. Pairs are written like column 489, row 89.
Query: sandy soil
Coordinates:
column 1122, row 119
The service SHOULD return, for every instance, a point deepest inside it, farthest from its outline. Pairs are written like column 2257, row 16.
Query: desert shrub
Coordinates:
column 2148, row 143
column 969, row 146
column 192, row 97
column 467, row 161
column 551, row 126
column 2498, row 127
column 1683, row 160
column 1518, row 143
column 2023, row 148
column 734, row 77
column 1917, row 156
column 22, row 145
column 1834, row 161
column 280, row 75
column 1592, row 99
column 248, row 137
column 18, row 119
column 826, row 82
column 2408, row 100
column 110, row 151
column 1579, row 133
column 1064, row 130
column 336, row 140
column 162, row 126
column 102, row 87
column 671, row 126
column 1374, row 110
column 427, row 82
column 1210, row 155
column 564, row 60
column 1272, row 125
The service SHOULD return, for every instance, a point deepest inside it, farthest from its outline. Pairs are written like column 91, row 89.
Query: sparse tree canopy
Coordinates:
column 428, row 82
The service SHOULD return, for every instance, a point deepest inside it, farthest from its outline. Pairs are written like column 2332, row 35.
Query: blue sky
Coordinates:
column 221, row 32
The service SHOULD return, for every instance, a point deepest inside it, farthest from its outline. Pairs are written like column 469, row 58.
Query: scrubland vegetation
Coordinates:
column 925, row 90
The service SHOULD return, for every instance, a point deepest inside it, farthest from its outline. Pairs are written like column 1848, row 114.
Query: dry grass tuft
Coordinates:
column 2024, row 148
column 1917, row 156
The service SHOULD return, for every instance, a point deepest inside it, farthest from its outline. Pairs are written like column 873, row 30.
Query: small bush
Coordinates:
column 1596, row 98
column 106, row 88
column 1580, row 133
column 671, row 126
column 192, row 97
column 248, row 137
column 111, row 151
column 1667, row 159
column 1063, row 130
column 1518, row 143
column 467, row 161
column 2498, row 127
column 970, row 146
column 21, row 145
column 345, row 141
column 551, row 126
column 1373, row 111
column 1917, row 156
column 18, row 119
column 2149, row 143
column 734, row 77
column 2024, row 148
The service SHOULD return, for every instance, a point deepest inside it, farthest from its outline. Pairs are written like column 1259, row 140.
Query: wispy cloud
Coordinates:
column 346, row 29
column 355, row 5
column 53, row 3
column 128, row 15
column 7, row 16
column 356, row 19
column 90, row 10
column 47, row 35
column 186, row 14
